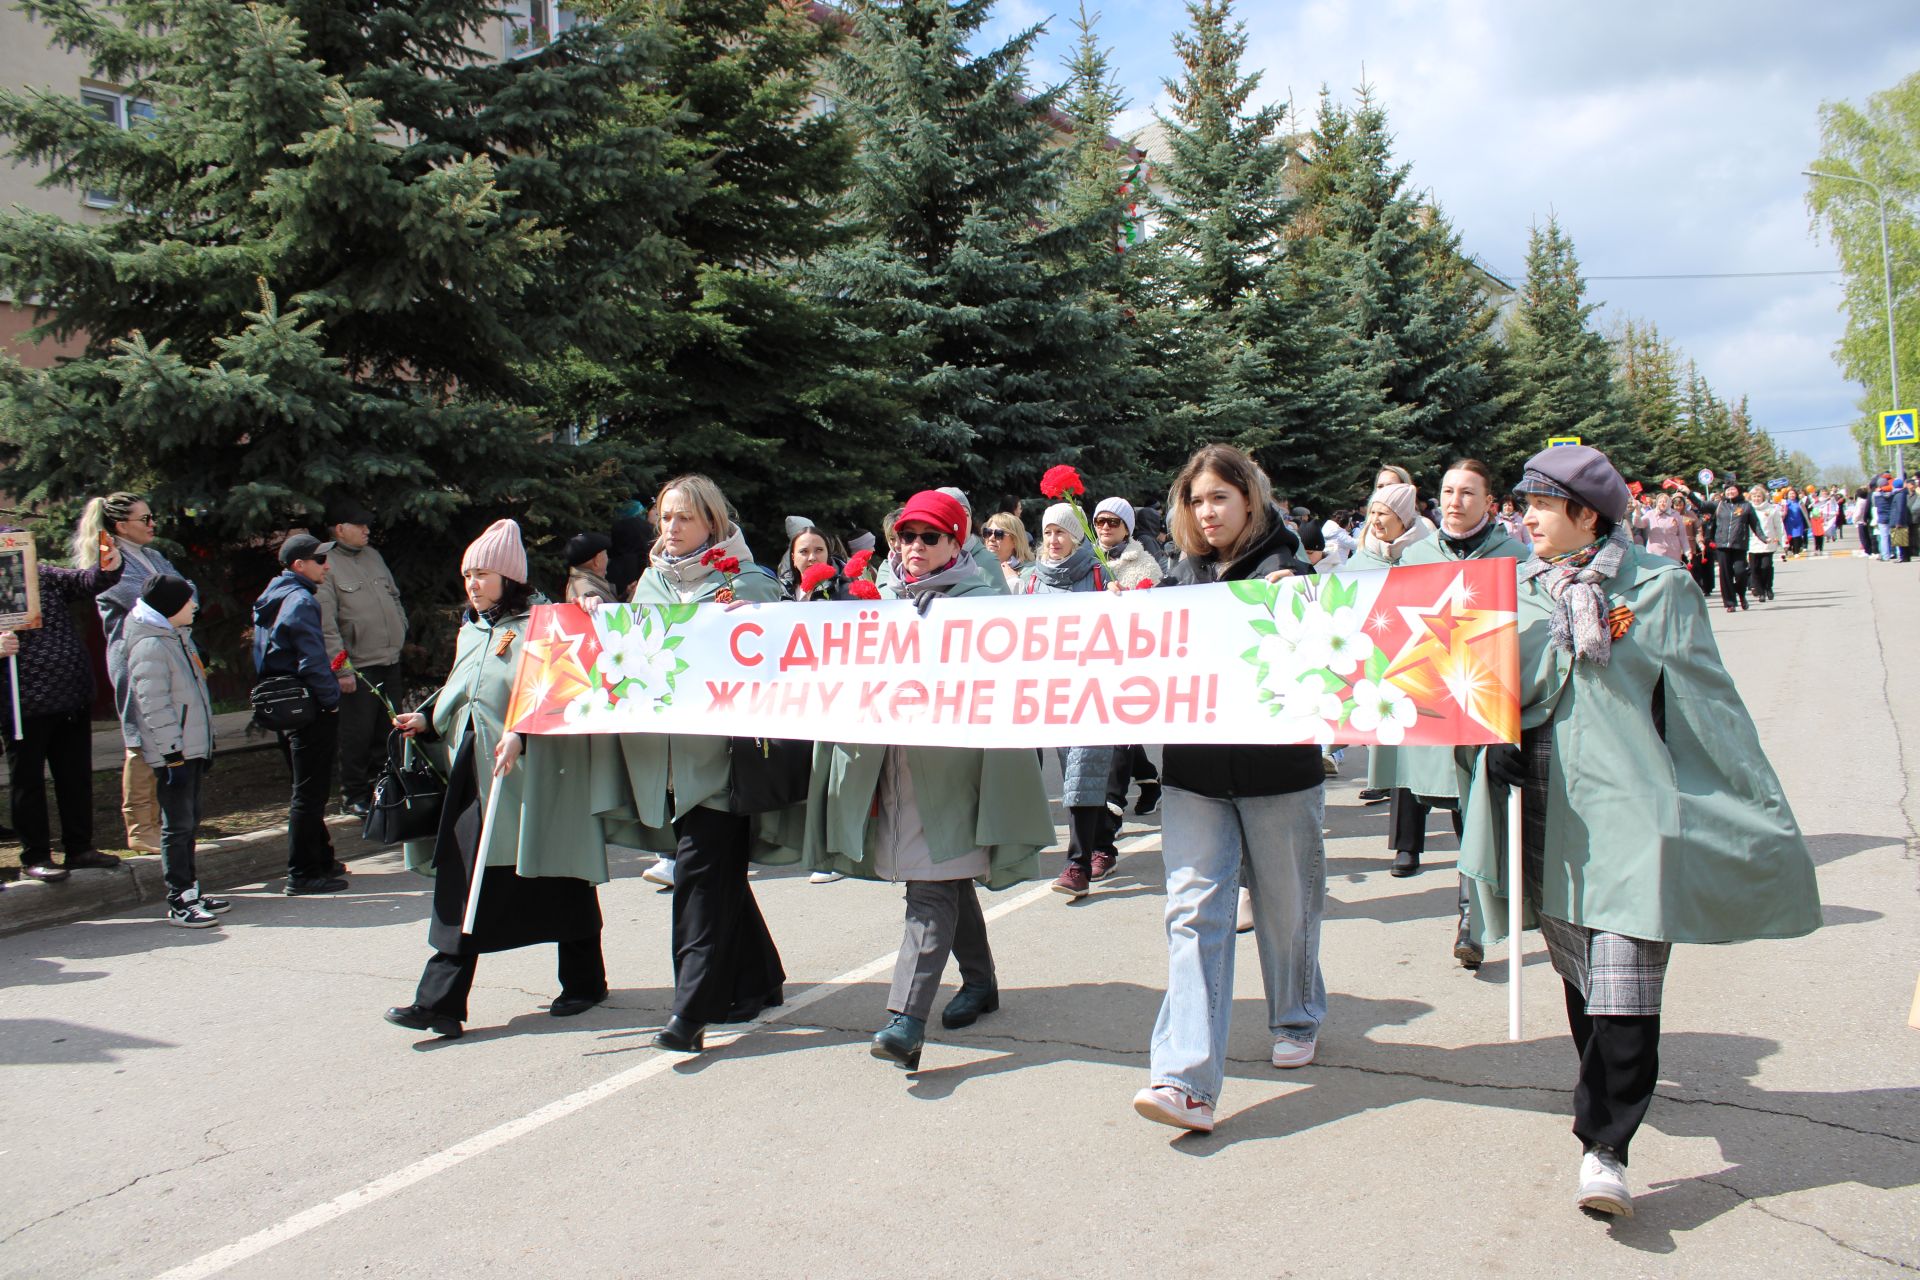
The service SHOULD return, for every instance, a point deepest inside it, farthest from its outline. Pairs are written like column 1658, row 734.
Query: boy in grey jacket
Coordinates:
column 168, row 707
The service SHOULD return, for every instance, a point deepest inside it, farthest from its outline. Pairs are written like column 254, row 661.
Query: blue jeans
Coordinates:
column 1884, row 535
column 1274, row 844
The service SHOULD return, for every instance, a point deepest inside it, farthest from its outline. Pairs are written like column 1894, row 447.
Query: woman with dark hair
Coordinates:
column 546, row 851
column 806, row 547
column 1232, row 815
column 1618, row 668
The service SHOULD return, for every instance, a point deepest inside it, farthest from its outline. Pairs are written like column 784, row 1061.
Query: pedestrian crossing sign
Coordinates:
column 1898, row 427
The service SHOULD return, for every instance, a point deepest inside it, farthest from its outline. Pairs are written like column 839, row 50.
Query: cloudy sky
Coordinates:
column 1669, row 139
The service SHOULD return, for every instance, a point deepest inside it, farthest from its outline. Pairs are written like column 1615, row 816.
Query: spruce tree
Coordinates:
column 1001, row 363
column 1646, row 370
column 338, row 255
column 1560, row 367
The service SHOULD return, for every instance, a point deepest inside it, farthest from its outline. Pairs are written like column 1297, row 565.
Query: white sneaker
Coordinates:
column 825, row 877
column 1243, row 916
column 660, row 873
column 189, row 914
column 1291, row 1053
column 1169, row 1104
column 1603, row 1184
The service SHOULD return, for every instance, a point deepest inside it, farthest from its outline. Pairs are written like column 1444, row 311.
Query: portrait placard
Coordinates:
column 19, row 583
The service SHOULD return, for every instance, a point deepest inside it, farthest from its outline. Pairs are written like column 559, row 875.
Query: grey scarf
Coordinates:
column 958, row 570
column 1062, row 575
column 1579, row 622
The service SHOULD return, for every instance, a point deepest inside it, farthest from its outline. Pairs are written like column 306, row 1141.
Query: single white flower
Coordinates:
column 1347, row 642
column 1383, row 710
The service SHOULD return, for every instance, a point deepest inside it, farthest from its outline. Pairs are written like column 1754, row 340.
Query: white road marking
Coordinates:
column 299, row 1224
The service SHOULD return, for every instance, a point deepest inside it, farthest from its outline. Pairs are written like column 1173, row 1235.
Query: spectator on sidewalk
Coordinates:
column 360, row 614
column 287, row 641
column 56, row 722
column 1863, row 520
column 1883, row 514
column 174, row 715
column 130, row 520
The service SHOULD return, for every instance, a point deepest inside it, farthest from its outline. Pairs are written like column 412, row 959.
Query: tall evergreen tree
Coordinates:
column 1558, row 364
column 1247, row 355
column 1397, row 288
column 1000, row 361
column 339, row 252
column 1647, row 372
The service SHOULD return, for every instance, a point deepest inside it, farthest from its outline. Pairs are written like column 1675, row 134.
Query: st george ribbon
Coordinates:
column 1421, row 655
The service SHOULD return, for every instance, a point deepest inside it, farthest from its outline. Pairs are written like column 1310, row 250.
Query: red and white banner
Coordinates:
column 1425, row 655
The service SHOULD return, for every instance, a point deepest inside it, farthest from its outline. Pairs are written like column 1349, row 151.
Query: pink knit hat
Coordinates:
column 500, row 550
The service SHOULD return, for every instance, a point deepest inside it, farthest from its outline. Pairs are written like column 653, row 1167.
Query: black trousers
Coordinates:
column 1619, row 1068
column 1090, row 829
column 1407, row 819
column 363, row 729
column 178, row 790
column 64, row 744
column 447, row 980
column 1140, row 765
column 1760, row 567
column 310, row 753
column 725, row 966
column 1733, row 576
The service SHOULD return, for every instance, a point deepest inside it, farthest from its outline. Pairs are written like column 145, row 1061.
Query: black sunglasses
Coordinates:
column 925, row 537
column 993, row 535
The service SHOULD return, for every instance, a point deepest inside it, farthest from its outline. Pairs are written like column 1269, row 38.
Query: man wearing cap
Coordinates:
column 587, row 557
column 1733, row 523
column 1650, row 813
column 361, row 615
column 288, row 641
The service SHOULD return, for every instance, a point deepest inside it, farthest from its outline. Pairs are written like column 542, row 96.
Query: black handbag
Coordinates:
column 768, row 773
column 407, row 797
column 283, row 704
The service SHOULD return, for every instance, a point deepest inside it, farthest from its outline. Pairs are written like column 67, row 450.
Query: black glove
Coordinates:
column 1506, row 765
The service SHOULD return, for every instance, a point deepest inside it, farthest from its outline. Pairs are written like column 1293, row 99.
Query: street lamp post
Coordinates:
column 1886, row 271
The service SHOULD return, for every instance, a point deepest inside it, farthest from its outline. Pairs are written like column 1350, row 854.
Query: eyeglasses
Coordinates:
column 145, row 519
column 925, row 537
column 993, row 535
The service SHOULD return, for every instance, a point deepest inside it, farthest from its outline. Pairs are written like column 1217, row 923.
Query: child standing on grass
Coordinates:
column 169, row 707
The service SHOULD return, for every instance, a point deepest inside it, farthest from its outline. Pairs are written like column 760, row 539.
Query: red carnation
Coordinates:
column 816, row 575
column 340, row 660
column 712, row 555
column 728, row 564
column 1060, row 481
column 857, row 564
column 1143, row 584
column 864, row 590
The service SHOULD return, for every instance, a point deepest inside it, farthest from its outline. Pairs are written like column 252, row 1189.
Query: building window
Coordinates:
column 122, row 112
column 532, row 25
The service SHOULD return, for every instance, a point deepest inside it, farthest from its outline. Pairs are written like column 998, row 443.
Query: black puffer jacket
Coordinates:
column 1229, row 771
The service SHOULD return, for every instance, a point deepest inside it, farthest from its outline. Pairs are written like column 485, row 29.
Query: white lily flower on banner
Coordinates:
column 1383, row 710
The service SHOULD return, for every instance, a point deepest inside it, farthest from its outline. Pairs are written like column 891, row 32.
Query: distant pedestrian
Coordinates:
column 1733, row 522
column 288, row 641
column 128, row 518
column 1667, row 530
column 361, row 616
column 1863, row 520
column 175, row 718
column 1762, row 546
column 56, row 720
column 1883, row 514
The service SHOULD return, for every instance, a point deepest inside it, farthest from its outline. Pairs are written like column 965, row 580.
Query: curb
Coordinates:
column 222, row 864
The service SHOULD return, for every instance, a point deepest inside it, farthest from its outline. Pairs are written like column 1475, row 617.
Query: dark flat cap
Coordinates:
column 301, row 546
column 1579, row 472
column 582, row 547
column 347, row 511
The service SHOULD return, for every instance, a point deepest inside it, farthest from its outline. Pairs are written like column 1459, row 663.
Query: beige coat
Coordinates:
column 360, row 607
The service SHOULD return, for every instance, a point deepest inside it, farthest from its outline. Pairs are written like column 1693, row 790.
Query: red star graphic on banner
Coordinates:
column 1457, row 651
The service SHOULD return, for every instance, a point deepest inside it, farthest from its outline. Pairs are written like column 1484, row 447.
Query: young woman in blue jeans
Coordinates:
column 1233, row 815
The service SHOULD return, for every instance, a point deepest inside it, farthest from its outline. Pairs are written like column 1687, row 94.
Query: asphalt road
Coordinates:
column 228, row 1102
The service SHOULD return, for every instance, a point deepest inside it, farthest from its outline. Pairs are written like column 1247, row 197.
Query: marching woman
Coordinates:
column 546, row 851
column 1619, row 670
column 934, row 818
column 725, row 966
column 1067, row 564
column 1428, row 774
column 1232, row 815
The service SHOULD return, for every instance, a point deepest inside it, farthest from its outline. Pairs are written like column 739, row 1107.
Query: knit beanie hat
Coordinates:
column 1117, row 507
column 959, row 496
column 1397, row 498
column 797, row 525
column 500, row 550
column 1060, row 516
column 166, row 594
column 582, row 547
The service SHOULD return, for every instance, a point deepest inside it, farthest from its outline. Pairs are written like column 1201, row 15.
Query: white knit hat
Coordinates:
column 499, row 549
column 1117, row 507
column 1060, row 516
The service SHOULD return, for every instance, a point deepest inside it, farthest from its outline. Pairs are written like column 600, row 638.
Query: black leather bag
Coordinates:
column 768, row 773
column 283, row 704
column 407, row 797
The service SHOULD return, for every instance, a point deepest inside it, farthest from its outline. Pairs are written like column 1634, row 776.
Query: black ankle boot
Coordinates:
column 681, row 1036
column 1405, row 863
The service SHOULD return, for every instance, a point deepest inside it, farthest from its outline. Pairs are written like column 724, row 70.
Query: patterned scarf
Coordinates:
column 1579, row 622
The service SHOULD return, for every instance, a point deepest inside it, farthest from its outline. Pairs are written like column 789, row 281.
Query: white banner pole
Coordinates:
column 480, row 859
column 1514, row 948
column 13, row 674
